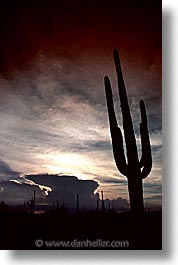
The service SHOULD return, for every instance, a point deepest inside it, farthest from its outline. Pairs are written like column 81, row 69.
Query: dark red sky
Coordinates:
column 73, row 27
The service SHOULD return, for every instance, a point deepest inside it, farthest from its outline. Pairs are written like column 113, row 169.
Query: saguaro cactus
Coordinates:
column 133, row 169
column 102, row 199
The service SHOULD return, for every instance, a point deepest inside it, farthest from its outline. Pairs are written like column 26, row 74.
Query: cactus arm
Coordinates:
column 110, row 104
column 127, row 120
column 134, row 170
column 121, row 84
column 116, row 134
column 146, row 159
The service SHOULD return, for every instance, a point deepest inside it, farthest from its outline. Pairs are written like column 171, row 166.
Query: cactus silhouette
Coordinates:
column 102, row 199
column 133, row 169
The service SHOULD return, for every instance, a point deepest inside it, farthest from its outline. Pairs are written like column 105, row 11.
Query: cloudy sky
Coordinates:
column 53, row 116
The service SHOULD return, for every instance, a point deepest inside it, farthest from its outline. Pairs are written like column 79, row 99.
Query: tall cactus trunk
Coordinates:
column 102, row 199
column 136, row 194
column 133, row 169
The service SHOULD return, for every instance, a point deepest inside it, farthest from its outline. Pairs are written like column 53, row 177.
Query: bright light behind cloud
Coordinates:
column 67, row 164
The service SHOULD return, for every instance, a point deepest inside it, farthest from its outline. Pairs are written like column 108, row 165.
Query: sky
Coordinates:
column 53, row 115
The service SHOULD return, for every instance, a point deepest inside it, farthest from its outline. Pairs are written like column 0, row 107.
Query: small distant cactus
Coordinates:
column 133, row 169
column 102, row 200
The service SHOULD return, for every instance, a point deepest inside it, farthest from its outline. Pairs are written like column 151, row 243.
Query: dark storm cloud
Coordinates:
column 62, row 188
column 65, row 189
column 14, row 192
column 6, row 172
